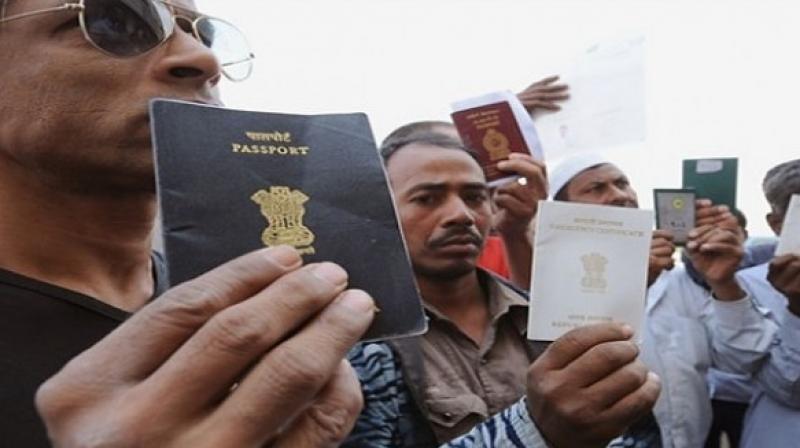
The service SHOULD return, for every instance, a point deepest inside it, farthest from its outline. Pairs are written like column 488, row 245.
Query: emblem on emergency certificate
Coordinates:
column 594, row 266
column 496, row 144
column 283, row 208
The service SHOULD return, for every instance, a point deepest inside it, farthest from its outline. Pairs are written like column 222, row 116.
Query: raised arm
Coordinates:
column 779, row 375
column 515, row 207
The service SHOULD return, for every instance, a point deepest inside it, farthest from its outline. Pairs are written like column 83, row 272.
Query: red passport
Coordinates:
column 493, row 133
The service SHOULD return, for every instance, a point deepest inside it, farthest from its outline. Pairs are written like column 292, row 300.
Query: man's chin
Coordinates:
column 445, row 273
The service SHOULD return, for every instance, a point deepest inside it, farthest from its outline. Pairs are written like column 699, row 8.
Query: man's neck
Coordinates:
column 461, row 300
column 95, row 245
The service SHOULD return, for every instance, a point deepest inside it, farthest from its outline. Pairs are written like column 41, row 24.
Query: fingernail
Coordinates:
column 627, row 330
column 357, row 301
column 691, row 245
column 331, row 273
column 653, row 377
column 286, row 256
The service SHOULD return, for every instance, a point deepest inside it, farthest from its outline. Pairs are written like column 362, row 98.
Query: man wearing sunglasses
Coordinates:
column 249, row 354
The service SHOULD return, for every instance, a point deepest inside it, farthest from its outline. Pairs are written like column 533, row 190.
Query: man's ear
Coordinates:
column 775, row 222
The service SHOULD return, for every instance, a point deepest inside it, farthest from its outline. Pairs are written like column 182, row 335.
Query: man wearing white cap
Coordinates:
column 675, row 343
column 593, row 179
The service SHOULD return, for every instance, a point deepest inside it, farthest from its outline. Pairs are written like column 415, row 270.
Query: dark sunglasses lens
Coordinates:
column 126, row 27
column 229, row 45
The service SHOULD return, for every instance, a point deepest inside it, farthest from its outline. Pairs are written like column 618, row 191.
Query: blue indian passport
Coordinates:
column 230, row 182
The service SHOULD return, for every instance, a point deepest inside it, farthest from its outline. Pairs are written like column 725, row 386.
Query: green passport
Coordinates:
column 231, row 181
column 713, row 179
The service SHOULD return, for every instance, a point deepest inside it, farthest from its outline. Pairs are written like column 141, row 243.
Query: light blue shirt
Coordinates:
column 731, row 387
column 759, row 336
column 676, row 346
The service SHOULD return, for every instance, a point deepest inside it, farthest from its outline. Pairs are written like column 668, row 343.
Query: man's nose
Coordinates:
column 620, row 197
column 458, row 213
column 186, row 60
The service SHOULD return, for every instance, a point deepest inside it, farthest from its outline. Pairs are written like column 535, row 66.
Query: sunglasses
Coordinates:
column 127, row 28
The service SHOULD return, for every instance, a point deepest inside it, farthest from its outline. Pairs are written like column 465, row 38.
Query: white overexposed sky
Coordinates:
column 722, row 75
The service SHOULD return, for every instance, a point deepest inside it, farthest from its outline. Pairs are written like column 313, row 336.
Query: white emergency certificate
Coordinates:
column 589, row 266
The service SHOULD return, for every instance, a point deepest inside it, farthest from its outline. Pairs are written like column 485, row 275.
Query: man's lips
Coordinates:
column 458, row 240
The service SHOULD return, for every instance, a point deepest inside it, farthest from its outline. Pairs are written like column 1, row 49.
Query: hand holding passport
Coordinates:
column 495, row 126
column 230, row 182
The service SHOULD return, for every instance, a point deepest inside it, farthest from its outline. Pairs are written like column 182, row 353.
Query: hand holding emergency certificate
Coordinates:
column 590, row 266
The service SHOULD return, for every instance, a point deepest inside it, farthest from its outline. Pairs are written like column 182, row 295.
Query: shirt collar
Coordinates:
column 502, row 300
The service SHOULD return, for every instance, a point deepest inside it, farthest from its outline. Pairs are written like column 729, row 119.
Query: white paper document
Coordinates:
column 523, row 118
column 589, row 267
column 607, row 105
column 789, row 242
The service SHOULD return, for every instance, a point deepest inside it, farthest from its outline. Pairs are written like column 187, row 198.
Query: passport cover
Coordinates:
column 493, row 133
column 590, row 267
column 713, row 179
column 675, row 212
column 231, row 182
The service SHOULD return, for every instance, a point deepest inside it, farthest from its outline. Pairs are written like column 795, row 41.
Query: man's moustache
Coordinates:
column 462, row 236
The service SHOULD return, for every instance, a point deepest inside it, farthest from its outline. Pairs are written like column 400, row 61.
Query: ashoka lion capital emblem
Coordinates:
column 284, row 210
column 594, row 266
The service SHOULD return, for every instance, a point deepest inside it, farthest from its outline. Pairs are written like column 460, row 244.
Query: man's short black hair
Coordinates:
column 416, row 127
column 421, row 132
column 780, row 183
column 741, row 219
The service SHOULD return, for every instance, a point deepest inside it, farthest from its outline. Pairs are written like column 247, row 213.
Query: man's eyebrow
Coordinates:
column 428, row 186
column 593, row 184
column 476, row 186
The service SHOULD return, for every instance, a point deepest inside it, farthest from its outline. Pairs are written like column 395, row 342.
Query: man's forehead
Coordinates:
column 604, row 172
column 416, row 156
column 424, row 163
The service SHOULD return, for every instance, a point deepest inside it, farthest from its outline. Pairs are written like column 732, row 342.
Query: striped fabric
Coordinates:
column 390, row 417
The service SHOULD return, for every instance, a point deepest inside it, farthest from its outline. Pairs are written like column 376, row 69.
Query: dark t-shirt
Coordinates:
column 42, row 327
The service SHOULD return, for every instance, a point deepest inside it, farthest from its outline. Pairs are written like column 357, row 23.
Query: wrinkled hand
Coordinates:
column 544, row 94
column 248, row 354
column 708, row 214
column 661, row 250
column 588, row 387
column 716, row 253
column 784, row 275
column 516, row 204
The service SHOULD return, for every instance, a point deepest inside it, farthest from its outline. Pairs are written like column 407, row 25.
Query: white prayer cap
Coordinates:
column 569, row 167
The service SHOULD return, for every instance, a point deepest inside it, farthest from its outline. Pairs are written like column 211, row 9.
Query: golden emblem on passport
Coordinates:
column 284, row 210
column 496, row 144
column 594, row 267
